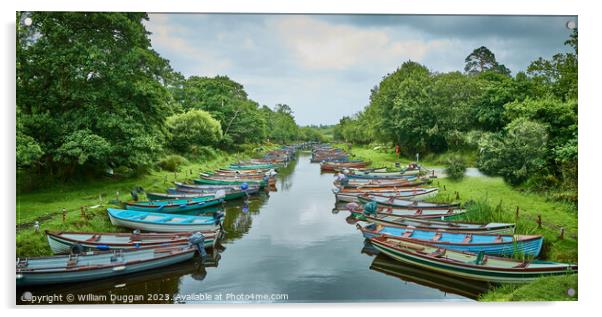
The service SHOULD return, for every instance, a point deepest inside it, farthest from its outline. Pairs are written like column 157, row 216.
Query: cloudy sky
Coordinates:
column 324, row 66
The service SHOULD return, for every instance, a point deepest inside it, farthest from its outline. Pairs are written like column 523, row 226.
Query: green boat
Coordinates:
column 473, row 266
column 207, row 181
column 253, row 167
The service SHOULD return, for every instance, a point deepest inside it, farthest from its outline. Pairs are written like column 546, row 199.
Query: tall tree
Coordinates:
column 91, row 90
column 481, row 60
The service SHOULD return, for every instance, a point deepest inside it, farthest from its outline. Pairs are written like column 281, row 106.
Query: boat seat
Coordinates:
column 437, row 236
column 418, row 212
column 467, row 238
column 439, row 253
column 408, row 233
column 93, row 238
column 521, row 265
column 21, row 263
column 72, row 260
column 499, row 238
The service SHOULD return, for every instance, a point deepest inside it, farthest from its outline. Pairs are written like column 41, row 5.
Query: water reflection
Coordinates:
column 413, row 274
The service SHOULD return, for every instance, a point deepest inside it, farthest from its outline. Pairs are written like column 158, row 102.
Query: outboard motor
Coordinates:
column 77, row 249
column 134, row 195
column 198, row 239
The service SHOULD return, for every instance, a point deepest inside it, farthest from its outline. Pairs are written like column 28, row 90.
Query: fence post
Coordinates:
column 517, row 211
column 82, row 212
column 444, row 187
column 561, row 237
column 64, row 214
column 117, row 195
column 539, row 221
column 457, row 195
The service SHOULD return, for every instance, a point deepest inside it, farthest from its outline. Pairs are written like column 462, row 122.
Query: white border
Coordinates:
column 589, row 115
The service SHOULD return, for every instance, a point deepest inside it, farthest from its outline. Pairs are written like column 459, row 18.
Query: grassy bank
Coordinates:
column 490, row 199
column 554, row 288
column 45, row 206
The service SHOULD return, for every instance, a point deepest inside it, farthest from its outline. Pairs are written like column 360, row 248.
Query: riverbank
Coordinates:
column 45, row 206
column 495, row 201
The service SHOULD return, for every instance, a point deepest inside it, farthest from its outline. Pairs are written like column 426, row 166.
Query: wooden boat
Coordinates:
column 443, row 282
column 213, row 181
column 493, row 244
column 175, row 195
column 397, row 202
column 174, row 206
column 330, row 166
column 413, row 193
column 451, row 226
column 474, row 266
column 160, row 222
column 449, row 213
column 361, row 170
column 404, row 174
column 63, row 242
column 373, row 183
column 213, row 188
column 97, row 265
column 254, row 166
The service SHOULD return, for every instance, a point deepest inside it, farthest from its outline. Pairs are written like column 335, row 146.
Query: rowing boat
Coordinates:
column 213, row 181
column 373, row 183
column 184, row 194
column 64, row 242
column 214, row 188
column 452, row 226
column 475, row 266
column 494, row 244
column 97, row 265
column 397, row 202
column 175, row 206
column 414, row 193
column 160, row 222
column 444, row 213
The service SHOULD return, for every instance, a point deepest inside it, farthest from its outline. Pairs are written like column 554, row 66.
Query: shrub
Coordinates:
column 193, row 128
column 171, row 163
column 456, row 167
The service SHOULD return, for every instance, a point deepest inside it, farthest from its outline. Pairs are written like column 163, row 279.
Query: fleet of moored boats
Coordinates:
column 430, row 236
column 397, row 224
column 164, row 230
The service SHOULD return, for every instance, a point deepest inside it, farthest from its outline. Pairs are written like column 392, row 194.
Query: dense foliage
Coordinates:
column 193, row 128
column 456, row 167
column 523, row 127
column 93, row 95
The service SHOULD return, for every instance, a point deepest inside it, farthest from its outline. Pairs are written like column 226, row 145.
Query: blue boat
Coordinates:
column 160, row 222
column 97, row 265
column 174, row 206
column 493, row 244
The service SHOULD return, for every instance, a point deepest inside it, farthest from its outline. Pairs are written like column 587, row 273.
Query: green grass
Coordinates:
column 46, row 205
column 553, row 288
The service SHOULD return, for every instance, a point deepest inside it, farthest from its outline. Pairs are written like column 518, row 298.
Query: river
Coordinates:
column 288, row 246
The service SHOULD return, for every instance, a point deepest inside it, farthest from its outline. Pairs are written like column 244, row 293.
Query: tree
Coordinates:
column 91, row 90
column 516, row 154
column 226, row 100
column 558, row 75
column 481, row 60
column 193, row 128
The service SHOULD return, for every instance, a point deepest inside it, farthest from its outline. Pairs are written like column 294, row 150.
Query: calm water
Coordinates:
column 288, row 246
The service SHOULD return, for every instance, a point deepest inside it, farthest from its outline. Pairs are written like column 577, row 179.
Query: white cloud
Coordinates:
column 321, row 45
column 175, row 41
